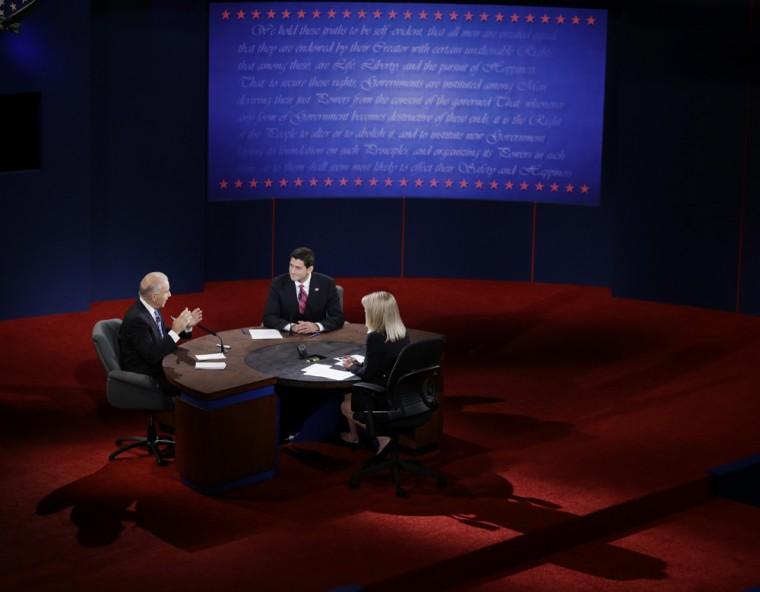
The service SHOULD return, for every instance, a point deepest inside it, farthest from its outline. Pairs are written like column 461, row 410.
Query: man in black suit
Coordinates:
column 144, row 340
column 303, row 301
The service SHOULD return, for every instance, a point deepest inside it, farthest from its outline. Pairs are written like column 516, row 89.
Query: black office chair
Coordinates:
column 408, row 402
column 130, row 390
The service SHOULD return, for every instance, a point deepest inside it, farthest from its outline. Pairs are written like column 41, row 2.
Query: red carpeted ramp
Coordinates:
column 580, row 436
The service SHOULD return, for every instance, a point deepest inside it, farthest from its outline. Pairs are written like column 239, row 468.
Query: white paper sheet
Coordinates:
column 265, row 334
column 210, row 365
column 206, row 357
column 326, row 372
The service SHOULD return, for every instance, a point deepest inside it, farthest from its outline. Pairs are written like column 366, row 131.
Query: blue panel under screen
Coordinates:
column 406, row 100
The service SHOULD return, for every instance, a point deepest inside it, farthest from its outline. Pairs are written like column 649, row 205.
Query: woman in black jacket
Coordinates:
column 386, row 338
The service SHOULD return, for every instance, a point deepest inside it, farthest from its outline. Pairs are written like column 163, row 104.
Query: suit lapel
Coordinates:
column 313, row 293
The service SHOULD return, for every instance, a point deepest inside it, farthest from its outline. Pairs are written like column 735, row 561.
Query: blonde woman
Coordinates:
column 386, row 337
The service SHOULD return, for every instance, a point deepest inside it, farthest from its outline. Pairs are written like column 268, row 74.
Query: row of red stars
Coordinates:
column 403, row 182
column 408, row 15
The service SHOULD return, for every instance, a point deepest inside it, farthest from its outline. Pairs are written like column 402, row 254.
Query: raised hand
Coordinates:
column 195, row 317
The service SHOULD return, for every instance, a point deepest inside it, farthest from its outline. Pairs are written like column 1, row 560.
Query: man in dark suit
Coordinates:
column 144, row 340
column 303, row 301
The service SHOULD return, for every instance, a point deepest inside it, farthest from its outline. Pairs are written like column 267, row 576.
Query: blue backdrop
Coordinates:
column 419, row 100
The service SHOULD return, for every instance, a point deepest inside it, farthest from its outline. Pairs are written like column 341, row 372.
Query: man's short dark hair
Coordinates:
column 305, row 254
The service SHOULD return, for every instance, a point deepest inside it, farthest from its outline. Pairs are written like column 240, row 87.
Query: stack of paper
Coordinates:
column 326, row 372
column 210, row 365
column 206, row 357
column 265, row 334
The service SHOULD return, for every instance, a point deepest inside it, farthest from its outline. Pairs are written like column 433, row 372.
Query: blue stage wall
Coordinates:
column 489, row 240
column 349, row 237
column 122, row 185
column 749, row 295
column 45, row 247
column 681, row 119
column 149, row 88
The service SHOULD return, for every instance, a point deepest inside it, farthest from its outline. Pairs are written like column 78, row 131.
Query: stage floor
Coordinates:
column 579, row 434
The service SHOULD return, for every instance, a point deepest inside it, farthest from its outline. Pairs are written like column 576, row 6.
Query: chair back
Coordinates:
column 415, row 356
column 416, row 393
column 340, row 295
column 105, row 338
column 414, row 382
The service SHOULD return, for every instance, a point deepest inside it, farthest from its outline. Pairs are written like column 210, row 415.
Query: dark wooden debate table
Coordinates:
column 227, row 421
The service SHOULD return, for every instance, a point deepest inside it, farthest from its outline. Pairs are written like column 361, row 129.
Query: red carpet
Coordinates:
column 578, row 434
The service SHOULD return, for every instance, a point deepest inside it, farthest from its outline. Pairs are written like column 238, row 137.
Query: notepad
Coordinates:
column 210, row 365
column 265, row 334
column 206, row 357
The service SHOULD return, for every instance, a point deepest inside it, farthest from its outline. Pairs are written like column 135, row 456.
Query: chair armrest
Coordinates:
column 369, row 386
column 364, row 396
column 134, row 379
column 368, row 393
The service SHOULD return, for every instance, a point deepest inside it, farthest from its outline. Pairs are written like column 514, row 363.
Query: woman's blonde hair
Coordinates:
column 383, row 316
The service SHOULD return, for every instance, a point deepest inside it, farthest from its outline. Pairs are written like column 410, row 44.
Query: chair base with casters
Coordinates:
column 390, row 460
column 152, row 442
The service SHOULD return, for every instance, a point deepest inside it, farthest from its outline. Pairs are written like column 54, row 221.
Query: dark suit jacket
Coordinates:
column 323, row 305
column 380, row 358
column 141, row 347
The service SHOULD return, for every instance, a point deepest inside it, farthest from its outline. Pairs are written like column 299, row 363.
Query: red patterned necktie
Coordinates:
column 302, row 296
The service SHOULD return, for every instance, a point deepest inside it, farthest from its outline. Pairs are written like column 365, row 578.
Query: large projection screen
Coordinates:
column 314, row 99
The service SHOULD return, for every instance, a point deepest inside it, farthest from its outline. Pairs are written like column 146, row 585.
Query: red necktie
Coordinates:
column 302, row 296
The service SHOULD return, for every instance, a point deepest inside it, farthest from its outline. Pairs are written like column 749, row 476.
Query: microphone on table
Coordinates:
column 222, row 347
